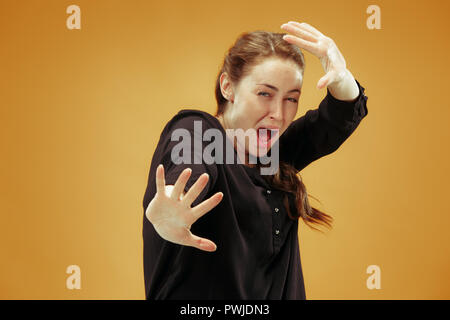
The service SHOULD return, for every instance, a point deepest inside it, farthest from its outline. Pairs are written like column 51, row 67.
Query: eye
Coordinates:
column 262, row 94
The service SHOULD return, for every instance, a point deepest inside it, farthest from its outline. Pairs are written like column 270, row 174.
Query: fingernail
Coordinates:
column 207, row 245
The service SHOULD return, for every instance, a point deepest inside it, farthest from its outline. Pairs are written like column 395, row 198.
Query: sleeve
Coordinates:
column 321, row 131
column 177, row 150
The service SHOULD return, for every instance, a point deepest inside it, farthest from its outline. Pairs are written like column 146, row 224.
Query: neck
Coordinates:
column 244, row 161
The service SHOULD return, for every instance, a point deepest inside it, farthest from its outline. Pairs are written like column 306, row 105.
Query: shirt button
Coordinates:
column 268, row 191
column 276, row 209
column 277, row 231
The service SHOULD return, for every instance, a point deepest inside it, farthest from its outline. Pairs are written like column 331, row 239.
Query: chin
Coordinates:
column 259, row 151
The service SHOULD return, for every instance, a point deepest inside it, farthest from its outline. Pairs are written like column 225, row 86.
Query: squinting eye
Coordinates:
column 262, row 93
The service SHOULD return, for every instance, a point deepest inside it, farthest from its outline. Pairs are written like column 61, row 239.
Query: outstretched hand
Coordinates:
column 312, row 40
column 171, row 214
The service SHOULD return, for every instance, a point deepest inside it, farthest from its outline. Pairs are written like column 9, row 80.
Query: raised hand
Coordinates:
column 312, row 40
column 170, row 210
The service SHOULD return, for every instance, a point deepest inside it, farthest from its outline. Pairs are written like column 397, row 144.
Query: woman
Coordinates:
column 246, row 247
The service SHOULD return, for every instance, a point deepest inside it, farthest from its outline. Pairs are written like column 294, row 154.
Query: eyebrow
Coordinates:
column 276, row 89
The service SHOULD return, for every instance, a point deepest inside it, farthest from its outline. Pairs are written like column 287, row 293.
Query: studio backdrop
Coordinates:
column 86, row 88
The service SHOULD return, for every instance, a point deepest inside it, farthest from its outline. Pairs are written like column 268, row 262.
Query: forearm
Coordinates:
column 346, row 89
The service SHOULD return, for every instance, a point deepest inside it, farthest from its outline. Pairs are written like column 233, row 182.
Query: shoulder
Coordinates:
column 188, row 118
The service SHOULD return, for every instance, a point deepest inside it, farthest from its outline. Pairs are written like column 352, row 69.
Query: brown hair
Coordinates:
column 250, row 49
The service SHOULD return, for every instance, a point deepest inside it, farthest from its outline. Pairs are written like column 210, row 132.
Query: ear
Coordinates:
column 226, row 87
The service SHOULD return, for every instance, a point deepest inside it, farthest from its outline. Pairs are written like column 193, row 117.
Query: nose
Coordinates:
column 276, row 112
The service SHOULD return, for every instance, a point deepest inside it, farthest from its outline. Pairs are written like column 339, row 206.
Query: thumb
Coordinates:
column 324, row 81
column 201, row 243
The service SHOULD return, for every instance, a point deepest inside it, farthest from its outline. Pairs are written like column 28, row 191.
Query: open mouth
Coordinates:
column 265, row 135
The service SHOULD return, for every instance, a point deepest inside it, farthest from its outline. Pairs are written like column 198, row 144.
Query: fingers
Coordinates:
column 160, row 180
column 196, row 189
column 307, row 45
column 300, row 32
column 307, row 27
column 201, row 243
column 180, row 184
column 206, row 206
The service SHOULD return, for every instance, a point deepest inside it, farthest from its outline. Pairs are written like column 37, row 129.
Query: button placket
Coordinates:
column 276, row 222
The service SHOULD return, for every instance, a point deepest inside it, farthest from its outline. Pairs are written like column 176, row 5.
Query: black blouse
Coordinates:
column 257, row 254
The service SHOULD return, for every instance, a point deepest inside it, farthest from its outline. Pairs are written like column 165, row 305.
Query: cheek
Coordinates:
column 249, row 115
column 289, row 117
column 291, row 114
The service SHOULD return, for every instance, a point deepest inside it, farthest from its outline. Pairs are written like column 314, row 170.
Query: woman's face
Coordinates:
column 266, row 98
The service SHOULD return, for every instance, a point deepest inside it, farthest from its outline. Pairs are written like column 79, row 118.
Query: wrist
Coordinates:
column 345, row 89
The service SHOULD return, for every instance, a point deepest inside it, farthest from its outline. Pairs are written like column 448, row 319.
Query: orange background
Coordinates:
column 82, row 111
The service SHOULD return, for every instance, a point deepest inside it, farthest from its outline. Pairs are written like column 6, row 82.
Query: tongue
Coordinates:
column 264, row 135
